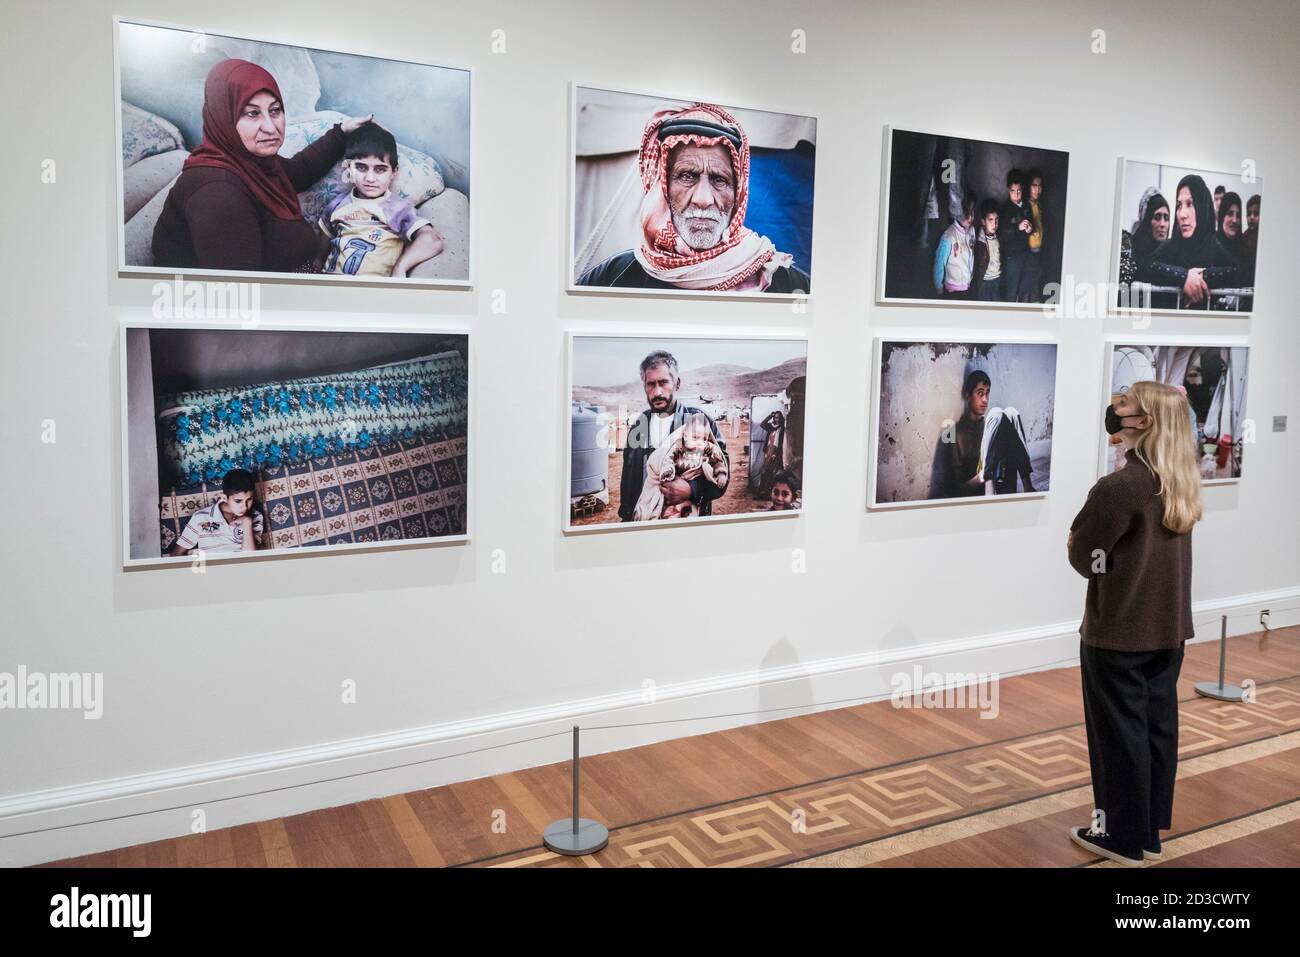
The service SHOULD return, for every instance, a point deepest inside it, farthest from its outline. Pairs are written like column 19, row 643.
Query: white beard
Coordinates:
column 682, row 222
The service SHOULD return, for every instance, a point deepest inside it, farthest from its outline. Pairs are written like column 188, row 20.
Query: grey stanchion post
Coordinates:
column 1220, row 691
column 576, row 835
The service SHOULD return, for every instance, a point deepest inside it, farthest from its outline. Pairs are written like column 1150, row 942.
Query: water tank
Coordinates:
column 589, row 466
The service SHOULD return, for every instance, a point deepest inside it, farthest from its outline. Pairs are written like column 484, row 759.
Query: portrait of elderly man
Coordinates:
column 664, row 420
column 695, row 189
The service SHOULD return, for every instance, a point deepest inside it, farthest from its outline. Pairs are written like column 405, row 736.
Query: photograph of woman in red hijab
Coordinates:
column 252, row 158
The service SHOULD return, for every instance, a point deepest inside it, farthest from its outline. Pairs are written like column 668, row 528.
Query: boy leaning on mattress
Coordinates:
column 230, row 524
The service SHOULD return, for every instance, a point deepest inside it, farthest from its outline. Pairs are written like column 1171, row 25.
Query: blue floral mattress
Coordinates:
column 374, row 455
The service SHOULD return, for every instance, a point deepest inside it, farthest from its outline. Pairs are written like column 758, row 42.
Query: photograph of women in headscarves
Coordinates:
column 674, row 195
column 246, row 157
column 960, row 421
column 939, row 192
column 1214, row 379
column 1192, row 245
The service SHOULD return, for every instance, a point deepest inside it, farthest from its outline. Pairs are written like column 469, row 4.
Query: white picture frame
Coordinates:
column 882, row 239
column 1116, row 340
column 922, row 336
column 127, row 270
column 570, row 260
column 662, row 337
column 347, row 324
column 1120, row 224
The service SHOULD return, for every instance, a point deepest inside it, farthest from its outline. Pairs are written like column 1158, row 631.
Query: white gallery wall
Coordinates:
column 222, row 690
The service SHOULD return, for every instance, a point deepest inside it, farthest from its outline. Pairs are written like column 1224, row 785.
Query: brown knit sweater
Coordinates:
column 1139, row 572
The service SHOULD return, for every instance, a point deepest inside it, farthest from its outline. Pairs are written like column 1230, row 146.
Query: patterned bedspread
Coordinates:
column 368, row 456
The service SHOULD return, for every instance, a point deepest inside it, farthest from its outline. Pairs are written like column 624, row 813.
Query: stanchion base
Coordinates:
column 1212, row 689
column 591, row 837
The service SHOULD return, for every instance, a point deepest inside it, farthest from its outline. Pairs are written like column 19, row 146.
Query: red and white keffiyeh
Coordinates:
column 742, row 258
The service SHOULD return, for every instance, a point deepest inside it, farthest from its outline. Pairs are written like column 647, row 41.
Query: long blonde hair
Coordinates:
column 1168, row 448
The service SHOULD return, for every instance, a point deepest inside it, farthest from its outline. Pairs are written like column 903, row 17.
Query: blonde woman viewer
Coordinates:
column 1132, row 540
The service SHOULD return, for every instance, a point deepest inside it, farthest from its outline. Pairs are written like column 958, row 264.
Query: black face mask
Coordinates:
column 1114, row 423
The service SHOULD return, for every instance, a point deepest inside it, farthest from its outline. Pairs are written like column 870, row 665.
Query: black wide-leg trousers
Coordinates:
column 1130, row 709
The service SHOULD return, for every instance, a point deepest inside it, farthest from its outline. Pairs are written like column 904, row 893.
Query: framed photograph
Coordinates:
column 670, row 430
column 1186, row 239
column 961, row 421
column 289, row 440
column 969, row 222
column 245, row 158
column 1215, row 376
column 686, row 197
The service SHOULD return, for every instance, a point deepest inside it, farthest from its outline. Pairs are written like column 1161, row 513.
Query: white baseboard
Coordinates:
column 46, row 825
